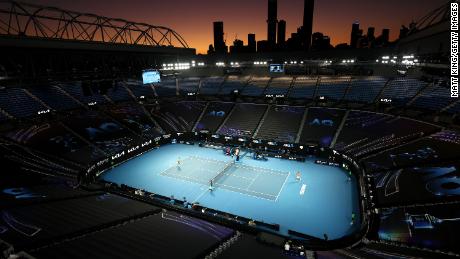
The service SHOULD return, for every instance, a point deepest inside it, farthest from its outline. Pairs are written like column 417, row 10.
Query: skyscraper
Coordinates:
column 281, row 33
column 252, row 44
column 272, row 21
column 354, row 35
column 371, row 33
column 309, row 6
column 219, row 44
column 385, row 36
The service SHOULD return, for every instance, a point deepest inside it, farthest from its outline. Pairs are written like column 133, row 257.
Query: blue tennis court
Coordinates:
column 255, row 181
column 322, row 202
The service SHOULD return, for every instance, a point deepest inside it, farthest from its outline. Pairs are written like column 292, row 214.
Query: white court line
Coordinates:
column 285, row 180
column 185, row 179
column 239, row 176
column 252, row 182
column 258, row 170
column 207, row 159
column 229, row 186
column 247, row 194
column 179, row 176
column 201, row 195
column 264, row 170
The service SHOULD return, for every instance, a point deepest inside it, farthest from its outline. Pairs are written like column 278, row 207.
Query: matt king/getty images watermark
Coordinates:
column 454, row 50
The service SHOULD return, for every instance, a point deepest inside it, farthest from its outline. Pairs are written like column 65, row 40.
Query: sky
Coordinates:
column 193, row 18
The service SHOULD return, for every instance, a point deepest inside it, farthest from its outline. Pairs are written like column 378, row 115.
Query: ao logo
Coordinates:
column 217, row 113
column 440, row 181
column 318, row 122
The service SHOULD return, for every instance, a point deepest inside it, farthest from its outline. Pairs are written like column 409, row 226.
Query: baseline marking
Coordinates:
column 282, row 186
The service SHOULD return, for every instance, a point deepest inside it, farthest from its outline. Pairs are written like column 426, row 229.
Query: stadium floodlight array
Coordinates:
column 176, row 66
column 259, row 63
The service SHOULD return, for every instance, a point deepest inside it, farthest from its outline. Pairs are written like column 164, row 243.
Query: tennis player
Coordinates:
column 211, row 186
column 298, row 176
column 237, row 154
column 178, row 163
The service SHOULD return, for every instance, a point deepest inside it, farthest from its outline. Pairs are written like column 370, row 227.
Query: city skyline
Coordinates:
column 195, row 21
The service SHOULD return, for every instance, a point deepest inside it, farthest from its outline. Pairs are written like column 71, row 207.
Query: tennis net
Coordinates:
column 216, row 178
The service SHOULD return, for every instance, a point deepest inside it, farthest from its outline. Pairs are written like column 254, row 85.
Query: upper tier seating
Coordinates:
column 188, row 85
column 401, row 90
column 304, row 88
column 281, row 123
column 365, row 89
column 167, row 87
column 279, row 86
column 333, row 87
column 243, row 120
column 211, row 85
column 256, row 86
column 233, row 83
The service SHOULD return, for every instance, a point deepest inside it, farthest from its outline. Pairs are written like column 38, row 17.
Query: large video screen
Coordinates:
column 276, row 68
column 151, row 77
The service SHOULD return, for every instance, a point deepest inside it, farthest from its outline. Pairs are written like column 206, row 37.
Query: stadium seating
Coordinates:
column 189, row 85
column 167, row 87
column 17, row 103
column 157, row 236
column 365, row 90
column 321, row 125
column 403, row 156
column 364, row 132
column 281, row 123
column 211, row 85
column 213, row 116
column 256, row 86
column 433, row 98
column 402, row 90
column 118, row 93
column 54, row 98
column 279, row 86
column 75, row 90
column 233, row 83
column 304, row 88
column 333, row 88
column 455, row 108
column 3, row 117
column 179, row 117
column 136, row 118
column 40, row 162
column 58, row 219
column 138, row 89
column 243, row 120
